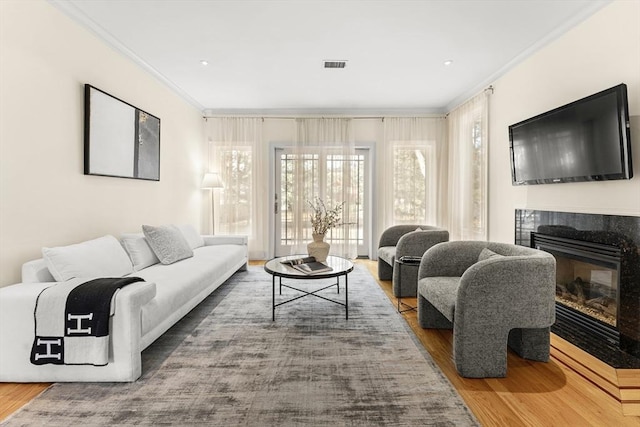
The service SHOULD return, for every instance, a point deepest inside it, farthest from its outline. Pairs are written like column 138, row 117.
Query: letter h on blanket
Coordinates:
column 72, row 322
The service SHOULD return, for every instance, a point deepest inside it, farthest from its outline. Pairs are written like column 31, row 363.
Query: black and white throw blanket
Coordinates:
column 72, row 321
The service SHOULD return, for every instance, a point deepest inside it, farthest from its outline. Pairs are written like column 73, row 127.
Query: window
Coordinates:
column 409, row 185
column 467, row 207
column 235, row 151
column 413, row 183
column 410, row 172
column 234, row 211
column 478, row 195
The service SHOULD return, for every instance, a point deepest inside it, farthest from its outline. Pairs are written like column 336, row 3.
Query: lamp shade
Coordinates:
column 212, row 180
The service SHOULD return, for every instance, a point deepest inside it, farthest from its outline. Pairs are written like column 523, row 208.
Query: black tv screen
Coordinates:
column 586, row 140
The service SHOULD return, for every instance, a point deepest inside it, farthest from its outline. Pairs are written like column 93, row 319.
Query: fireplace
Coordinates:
column 597, row 279
column 587, row 283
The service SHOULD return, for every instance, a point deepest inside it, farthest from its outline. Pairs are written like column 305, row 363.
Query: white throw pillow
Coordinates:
column 102, row 257
column 139, row 251
column 194, row 239
column 167, row 243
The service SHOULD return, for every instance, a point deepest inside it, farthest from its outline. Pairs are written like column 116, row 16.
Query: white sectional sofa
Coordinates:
column 141, row 312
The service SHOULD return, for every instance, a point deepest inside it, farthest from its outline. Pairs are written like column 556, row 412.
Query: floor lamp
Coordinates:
column 212, row 181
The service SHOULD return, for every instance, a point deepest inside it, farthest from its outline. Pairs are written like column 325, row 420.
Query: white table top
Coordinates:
column 340, row 266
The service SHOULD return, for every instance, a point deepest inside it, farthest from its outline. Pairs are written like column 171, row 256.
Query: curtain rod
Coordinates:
column 489, row 90
column 436, row 116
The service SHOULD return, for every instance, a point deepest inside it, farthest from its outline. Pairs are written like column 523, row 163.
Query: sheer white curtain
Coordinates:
column 411, row 172
column 322, row 168
column 468, row 146
column 235, row 150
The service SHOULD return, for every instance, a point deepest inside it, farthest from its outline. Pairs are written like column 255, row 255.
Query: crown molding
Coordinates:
column 327, row 112
column 70, row 10
column 594, row 7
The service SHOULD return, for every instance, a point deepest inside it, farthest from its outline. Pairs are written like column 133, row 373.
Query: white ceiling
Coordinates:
column 267, row 56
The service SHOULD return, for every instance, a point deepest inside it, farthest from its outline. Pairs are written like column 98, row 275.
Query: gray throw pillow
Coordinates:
column 488, row 253
column 167, row 242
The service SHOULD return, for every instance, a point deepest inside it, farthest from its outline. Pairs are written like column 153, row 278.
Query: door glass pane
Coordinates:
column 338, row 167
column 307, row 185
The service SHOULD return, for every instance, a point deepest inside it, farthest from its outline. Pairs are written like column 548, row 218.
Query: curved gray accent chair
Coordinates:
column 492, row 295
column 404, row 240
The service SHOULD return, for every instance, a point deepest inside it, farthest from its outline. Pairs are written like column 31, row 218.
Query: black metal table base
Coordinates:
column 314, row 293
column 400, row 264
column 409, row 307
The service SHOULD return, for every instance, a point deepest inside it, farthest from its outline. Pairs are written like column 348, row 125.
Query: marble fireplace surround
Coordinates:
column 620, row 232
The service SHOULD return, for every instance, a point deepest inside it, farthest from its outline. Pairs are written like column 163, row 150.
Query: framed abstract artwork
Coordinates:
column 120, row 140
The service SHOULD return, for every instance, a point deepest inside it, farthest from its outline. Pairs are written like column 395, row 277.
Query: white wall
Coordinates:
column 45, row 200
column 601, row 52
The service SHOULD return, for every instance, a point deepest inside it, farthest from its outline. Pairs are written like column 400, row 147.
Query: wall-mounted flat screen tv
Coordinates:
column 586, row 140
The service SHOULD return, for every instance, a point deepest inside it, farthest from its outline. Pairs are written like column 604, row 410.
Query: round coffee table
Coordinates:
column 340, row 267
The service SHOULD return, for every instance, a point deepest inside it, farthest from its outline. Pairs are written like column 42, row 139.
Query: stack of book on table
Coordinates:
column 307, row 265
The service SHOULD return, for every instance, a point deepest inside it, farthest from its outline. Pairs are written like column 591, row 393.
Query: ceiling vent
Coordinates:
column 334, row 64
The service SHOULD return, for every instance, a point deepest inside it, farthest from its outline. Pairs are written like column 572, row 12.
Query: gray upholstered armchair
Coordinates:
column 404, row 240
column 491, row 294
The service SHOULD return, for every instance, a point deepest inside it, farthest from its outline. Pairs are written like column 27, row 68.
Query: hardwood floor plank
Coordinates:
column 14, row 396
column 596, row 366
column 629, row 378
column 632, row 409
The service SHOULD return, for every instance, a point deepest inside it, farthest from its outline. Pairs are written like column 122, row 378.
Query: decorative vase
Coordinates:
column 319, row 249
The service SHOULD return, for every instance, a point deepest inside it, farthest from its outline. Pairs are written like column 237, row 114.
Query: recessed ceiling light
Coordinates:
column 204, row 62
column 448, row 62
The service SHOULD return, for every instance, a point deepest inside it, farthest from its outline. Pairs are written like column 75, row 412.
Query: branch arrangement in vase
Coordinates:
column 322, row 218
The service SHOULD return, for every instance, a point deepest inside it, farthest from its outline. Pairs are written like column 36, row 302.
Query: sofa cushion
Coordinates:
column 180, row 282
column 139, row 251
column 485, row 254
column 388, row 254
column 194, row 238
column 102, row 257
column 167, row 243
column 441, row 292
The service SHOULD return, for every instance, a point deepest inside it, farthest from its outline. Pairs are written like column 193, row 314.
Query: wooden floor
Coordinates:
column 533, row 394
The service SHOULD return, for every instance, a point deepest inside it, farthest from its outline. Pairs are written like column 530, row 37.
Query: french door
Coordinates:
column 322, row 174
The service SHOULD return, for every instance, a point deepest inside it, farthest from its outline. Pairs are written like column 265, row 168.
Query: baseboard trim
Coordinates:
column 623, row 385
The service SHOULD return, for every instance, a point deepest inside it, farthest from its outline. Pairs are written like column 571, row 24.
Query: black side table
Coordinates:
column 408, row 261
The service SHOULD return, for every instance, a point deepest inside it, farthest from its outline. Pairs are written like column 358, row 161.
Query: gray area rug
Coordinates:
column 227, row 364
